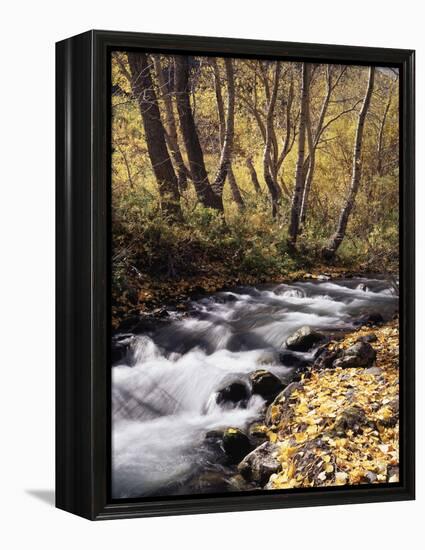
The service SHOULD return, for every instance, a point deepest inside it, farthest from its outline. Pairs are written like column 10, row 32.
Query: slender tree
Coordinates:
column 269, row 136
column 190, row 136
column 171, row 127
column 253, row 174
column 144, row 92
column 299, row 170
column 380, row 145
column 336, row 240
column 278, row 114
column 226, row 129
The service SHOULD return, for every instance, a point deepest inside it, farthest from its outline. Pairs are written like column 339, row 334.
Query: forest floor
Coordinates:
column 340, row 425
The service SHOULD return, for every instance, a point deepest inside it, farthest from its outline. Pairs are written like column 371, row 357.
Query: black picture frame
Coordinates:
column 82, row 249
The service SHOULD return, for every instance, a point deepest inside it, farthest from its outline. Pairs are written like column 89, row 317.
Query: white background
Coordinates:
column 28, row 33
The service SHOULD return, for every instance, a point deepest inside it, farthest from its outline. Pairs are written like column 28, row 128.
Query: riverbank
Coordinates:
column 150, row 296
column 336, row 426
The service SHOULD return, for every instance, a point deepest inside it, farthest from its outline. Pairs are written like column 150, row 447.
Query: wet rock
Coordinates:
column 353, row 418
column 265, row 384
column 150, row 323
column 213, row 442
column 326, row 358
column 281, row 402
column 214, row 434
column 119, row 347
column 211, row 482
column 291, row 360
column 258, row 433
column 363, row 287
column 239, row 483
column 235, row 444
column 236, row 392
column 300, row 373
column 368, row 338
column 260, row 464
column 370, row 319
column 304, row 339
column 361, row 354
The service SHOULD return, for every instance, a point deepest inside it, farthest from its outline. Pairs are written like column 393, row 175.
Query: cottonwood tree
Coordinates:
column 226, row 130
column 211, row 195
column 268, row 171
column 269, row 100
column 190, row 136
column 315, row 132
column 144, row 92
column 253, row 175
column 171, row 135
column 330, row 250
column 299, row 170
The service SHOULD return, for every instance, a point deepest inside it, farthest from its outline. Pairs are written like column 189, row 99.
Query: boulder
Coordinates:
column 368, row 338
column 361, row 354
column 326, row 358
column 119, row 347
column 353, row 418
column 260, row 464
column 370, row 319
column 235, row 444
column 289, row 359
column 235, row 392
column 265, row 384
column 304, row 339
column 362, row 287
column 239, row 483
column 281, row 401
column 258, row 433
column 210, row 482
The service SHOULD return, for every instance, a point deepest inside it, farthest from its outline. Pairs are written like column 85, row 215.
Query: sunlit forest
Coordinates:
column 239, row 170
column 254, row 275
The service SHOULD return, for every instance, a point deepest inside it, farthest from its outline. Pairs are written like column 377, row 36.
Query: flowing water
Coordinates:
column 164, row 390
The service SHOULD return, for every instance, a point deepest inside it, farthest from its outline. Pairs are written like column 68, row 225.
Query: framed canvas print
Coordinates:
column 235, row 274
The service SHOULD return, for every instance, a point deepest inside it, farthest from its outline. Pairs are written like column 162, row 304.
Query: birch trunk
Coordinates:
column 299, row 176
column 330, row 251
column 267, row 161
column 226, row 129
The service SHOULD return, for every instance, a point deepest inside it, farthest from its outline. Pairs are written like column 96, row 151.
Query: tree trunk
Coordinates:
column 272, row 186
column 313, row 140
column 226, row 129
column 299, row 176
column 171, row 134
column 143, row 90
column 380, row 147
column 190, row 136
column 330, row 251
column 253, row 174
column 310, row 170
column 234, row 188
